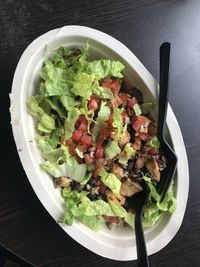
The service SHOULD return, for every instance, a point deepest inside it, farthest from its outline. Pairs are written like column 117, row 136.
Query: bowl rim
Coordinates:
column 16, row 120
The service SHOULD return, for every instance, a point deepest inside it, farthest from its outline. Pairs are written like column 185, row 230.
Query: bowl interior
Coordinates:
column 119, row 243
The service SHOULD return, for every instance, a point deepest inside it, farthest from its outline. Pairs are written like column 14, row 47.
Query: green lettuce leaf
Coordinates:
column 155, row 208
column 104, row 113
column 127, row 153
column 68, row 102
column 46, row 123
column 71, row 169
column 147, row 107
column 104, row 68
column 137, row 109
column 91, row 212
column 102, row 92
column 112, row 149
column 153, row 142
column 83, row 85
column 72, row 116
column 111, row 181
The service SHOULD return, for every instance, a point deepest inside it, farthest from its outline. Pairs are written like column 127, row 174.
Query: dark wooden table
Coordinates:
column 26, row 229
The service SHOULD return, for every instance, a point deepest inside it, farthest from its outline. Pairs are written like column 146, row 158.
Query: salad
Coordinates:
column 98, row 140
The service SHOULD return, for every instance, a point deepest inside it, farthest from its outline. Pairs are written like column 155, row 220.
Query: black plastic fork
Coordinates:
column 168, row 173
column 140, row 198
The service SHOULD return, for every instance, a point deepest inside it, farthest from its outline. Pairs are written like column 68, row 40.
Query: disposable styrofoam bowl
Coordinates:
column 117, row 244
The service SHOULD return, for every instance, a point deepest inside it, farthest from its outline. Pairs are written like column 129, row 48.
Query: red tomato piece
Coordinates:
column 131, row 102
column 114, row 85
column 110, row 120
column 99, row 164
column 88, row 159
column 153, row 152
column 138, row 122
column 93, row 103
column 83, row 126
column 112, row 219
column 76, row 136
column 82, row 147
column 123, row 97
column 72, row 146
column 86, row 139
column 79, row 120
column 144, row 136
column 99, row 153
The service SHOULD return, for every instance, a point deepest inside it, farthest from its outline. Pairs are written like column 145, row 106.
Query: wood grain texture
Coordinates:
column 25, row 226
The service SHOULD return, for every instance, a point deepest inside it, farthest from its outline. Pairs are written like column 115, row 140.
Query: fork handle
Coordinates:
column 163, row 94
column 140, row 240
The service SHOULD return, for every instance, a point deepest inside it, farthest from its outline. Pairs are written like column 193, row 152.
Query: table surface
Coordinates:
column 25, row 226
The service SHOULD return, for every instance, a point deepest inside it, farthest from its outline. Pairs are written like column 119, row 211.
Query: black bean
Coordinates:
column 78, row 187
column 91, row 196
column 130, row 165
column 93, row 181
column 137, row 94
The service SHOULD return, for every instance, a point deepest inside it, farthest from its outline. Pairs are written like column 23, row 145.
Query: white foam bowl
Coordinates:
column 118, row 244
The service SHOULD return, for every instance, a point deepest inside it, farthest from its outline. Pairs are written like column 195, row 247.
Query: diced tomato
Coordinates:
column 105, row 133
column 146, row 149
column 99, row 164
column 144, row 136
column 76, row 136
column 114, row 85
column 96, row 170
column 112, row 219
column 138, row 122
column 131, row 102
column 110, row 120
column 88, row 159
column 123, row 97
column 153, row 152
column 99, row 153
column 72, row 146
column 82, row 147
column 152, row 129
column 86, row 139
column 136, row 125
column 79, row 120
column 93, row 103
column 83, row 126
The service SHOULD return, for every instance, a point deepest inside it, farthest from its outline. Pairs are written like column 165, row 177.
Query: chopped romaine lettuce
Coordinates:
column 71, row 169
column 72, row 116
column 153, row 142
column 137, row 109
column 105, row 68
column 147, row 107
column 104, row 112
column 111, row 181
column 112, row 149
column 127, row 153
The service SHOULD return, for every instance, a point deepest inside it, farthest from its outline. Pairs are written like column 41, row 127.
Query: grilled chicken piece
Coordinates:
column 137, row 143
column 139, row 164
column 113, row 199
column 153, row 169
column 117, row 171
column 62, row 181
column 124, row 139
column 129, row 188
